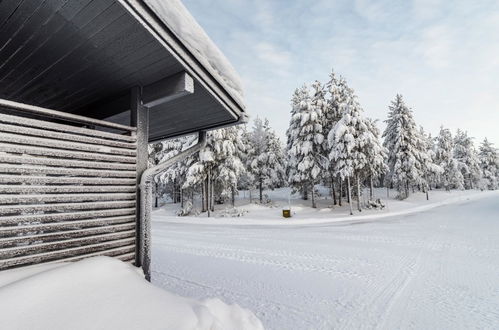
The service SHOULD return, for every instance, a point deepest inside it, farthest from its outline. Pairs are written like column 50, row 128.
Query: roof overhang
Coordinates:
column 83, row 57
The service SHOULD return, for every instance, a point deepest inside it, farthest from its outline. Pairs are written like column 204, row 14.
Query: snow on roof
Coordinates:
column 178, row 19
column 105, row 293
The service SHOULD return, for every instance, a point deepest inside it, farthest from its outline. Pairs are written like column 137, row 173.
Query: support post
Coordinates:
column 139, row 118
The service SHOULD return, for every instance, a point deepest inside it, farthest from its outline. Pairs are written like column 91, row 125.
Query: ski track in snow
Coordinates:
column 434, row 269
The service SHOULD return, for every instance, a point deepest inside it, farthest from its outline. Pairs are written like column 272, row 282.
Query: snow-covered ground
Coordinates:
column 105, row 293
column 422, row 265
column 303, row 213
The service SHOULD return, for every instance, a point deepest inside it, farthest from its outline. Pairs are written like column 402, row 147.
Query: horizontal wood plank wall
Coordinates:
column 66, row 192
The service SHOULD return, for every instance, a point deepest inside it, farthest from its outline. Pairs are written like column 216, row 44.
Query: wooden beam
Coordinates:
column 168, row 89
column 139, row 118
column 159, row 92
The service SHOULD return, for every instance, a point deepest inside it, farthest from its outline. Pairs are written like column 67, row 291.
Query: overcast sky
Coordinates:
column 442, row 56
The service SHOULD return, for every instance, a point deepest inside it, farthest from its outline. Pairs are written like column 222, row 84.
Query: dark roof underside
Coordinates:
column 70, row 55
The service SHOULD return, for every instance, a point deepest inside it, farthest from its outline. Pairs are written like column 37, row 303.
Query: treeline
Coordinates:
column 234, row 158
column 330, row 142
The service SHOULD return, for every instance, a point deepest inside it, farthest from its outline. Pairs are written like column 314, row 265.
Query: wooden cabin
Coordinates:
column 85, row 85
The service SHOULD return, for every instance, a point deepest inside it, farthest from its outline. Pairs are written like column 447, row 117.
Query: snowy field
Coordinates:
column 416, row 266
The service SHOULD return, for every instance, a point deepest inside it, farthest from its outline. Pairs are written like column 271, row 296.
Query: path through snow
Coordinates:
column 433, row 269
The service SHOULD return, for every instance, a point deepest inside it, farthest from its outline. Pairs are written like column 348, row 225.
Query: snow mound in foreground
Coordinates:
column 105, row 293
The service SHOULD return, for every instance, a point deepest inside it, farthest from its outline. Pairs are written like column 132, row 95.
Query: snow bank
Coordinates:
column 105, row 293
column 178, row 19
column 304, row 214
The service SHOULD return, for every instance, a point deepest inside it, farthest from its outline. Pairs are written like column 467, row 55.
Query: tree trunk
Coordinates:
column 313, row 197
column 305, row 192
column 260, row 187
column 203, row 196
column 333, row 191
column 251, row 200
column 340, row 191
column 233, row 197
column 181, row 198
column 358, row 193
column 371, row 195
column 348, row 192
column 212, row 193
column 387, row 192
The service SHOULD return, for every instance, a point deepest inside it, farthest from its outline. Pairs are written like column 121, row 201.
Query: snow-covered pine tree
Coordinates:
column 306, row 146
column 451, row 178
column 174, row 176
column 376, row 155
column 338, row 93
column 489, row 164
column 264, row 159
column 230, row 167
column 467, row 157
column 431, row 171
column 348, row 142
column 277, row 163
column 217, row 166
column 246, row 180
column 295, row 181
column 403, row 145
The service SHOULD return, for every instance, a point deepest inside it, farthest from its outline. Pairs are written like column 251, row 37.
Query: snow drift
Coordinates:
column 105, row 293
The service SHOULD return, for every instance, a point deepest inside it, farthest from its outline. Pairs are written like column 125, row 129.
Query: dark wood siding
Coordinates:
column 66, row 192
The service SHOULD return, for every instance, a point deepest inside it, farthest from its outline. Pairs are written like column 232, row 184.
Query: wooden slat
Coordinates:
column 67, row 234
column 58, row 144
column 37, row 160
column 105, row 137
column 62, row 115
column 65, row 225
column 64, row 136
column 24, row 149
column 24, row 169
column 64, row 180
column 45, row 218
column 24, row 189
column 106, row 247
column 122, row 253
column 62, row 198
column 10, row 252
column 9, row 209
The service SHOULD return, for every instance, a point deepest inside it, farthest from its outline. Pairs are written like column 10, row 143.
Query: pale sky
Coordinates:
column 442, row 56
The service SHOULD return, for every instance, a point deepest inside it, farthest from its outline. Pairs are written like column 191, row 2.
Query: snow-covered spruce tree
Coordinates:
column 246, row 180
column 376, row 155
column 217, row 166
column 431, row 171
column 489, row 164
column 295, row 181
column 451, row 177
column 265, row 160
column 276, row 175
column 467, row 158
column 174, row 176
column 402, row 140
column 348, row 141
column 338, row 93
column 306, row 139
column 230, row 167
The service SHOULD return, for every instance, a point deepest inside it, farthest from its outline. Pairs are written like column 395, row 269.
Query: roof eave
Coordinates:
column 167, row 38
